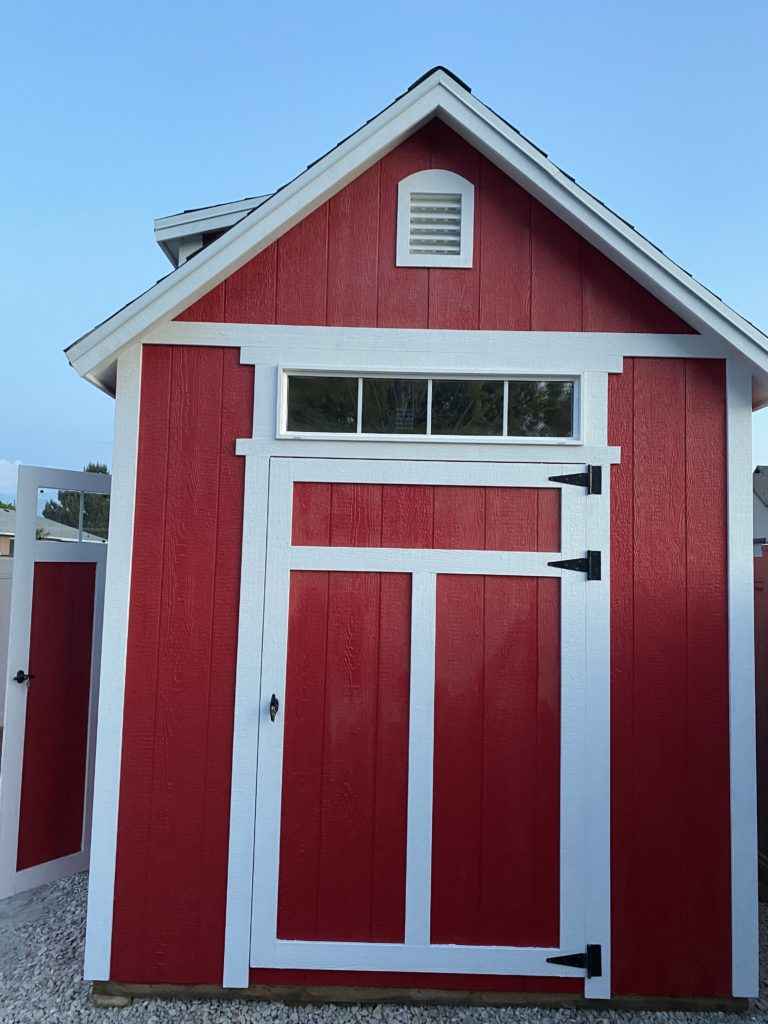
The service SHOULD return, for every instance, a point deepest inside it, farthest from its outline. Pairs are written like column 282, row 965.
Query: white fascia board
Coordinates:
column 438, row 95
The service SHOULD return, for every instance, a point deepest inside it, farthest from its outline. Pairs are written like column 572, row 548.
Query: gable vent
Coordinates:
column 435, row 224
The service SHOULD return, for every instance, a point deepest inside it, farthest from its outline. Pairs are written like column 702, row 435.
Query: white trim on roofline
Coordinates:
column 437, row 95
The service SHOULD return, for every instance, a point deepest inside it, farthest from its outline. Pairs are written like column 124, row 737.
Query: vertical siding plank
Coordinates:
column 251, row 292
column 184, row 680
column 460, row 518
column 345, row 881
column 134, row 833
column 458, row 764
column 403, row 293
column 353, row 252
column 504, row 211
column 305, row 696
column 311, row 523
column 302, row 271
column 511, row 519
column 356, row 515
column 209, row 308
column 555, row 273
column 390, row 808
column 660, row 712
column 454, row 295
column 707, row 803
column 407, row 516
column 614, row 302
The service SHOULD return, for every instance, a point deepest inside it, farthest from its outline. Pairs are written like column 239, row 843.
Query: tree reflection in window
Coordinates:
column 320, row 404
column 540, row 408
column 467, row 407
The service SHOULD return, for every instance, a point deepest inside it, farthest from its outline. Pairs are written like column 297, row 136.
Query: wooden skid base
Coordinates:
column 102, row 991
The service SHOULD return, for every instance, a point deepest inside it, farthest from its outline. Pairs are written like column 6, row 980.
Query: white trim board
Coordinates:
column 101, row 882
column 438, row 94
column 251, row 714
column 741, row 662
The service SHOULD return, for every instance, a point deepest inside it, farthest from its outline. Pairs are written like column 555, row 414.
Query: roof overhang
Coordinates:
column 172, row 231
column 437, row 94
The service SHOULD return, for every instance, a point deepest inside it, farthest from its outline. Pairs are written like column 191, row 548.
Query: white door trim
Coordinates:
column 28, row 551
column 577, row 534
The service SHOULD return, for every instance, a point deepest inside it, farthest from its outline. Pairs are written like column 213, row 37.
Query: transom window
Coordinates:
column 513, row 408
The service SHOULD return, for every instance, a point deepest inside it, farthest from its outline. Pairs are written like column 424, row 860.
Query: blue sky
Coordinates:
column 115, row 114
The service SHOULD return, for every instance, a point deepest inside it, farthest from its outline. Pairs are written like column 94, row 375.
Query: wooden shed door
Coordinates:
column 46, row 772
column 421, row 768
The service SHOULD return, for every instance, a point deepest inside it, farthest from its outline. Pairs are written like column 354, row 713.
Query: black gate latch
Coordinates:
column 591, row 565
column 591, row 961
column 592, row 479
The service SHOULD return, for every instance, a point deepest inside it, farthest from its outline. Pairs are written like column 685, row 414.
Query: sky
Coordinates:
column 114, row 114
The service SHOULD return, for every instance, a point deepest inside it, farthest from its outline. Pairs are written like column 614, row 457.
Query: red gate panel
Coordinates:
column 345, row 765
column 495, row 840
column 56, row 730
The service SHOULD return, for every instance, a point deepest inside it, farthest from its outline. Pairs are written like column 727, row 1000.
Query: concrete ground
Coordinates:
column 41, row 954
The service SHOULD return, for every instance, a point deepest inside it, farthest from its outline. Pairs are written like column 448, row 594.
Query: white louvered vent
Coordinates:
column 435, row 212
column 435, row 224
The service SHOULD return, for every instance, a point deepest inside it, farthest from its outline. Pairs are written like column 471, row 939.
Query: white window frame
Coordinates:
column 435, row 181
column 283, row 433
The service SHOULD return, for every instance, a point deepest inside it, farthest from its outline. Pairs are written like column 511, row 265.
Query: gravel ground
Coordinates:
column 41, row 952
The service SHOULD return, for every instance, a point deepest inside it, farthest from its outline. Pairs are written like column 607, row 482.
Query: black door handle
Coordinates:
column 22, row 677
column 274, row 707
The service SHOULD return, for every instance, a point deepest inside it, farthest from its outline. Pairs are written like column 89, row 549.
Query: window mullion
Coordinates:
column 429, row 407
column 505, row 409
column 359, row 405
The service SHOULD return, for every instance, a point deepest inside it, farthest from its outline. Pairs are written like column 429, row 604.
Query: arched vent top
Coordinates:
column 435, row 220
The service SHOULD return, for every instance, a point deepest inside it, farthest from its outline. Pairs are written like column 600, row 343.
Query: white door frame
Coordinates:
column 28, row 551
column 584, row 906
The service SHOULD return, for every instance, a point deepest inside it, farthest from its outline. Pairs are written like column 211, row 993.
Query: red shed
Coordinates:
column 427, row 661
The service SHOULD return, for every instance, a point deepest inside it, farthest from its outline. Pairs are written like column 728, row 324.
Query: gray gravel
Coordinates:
column 41, row 952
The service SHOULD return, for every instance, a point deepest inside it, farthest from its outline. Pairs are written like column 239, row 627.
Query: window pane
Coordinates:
column 322, row 404
column 394, row 406
column 540, row 408
column 467, row 406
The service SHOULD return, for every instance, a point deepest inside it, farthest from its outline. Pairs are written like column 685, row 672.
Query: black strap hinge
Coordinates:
column 591, row 565
column 592, row 479
column 591, row 961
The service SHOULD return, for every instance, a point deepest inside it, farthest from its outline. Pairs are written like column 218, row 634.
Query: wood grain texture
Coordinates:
column 56, row 727
column 345, row 762
column 670, row 770
column 395, row 515
column 531, row 271
column 495, row 840
column 173, row 825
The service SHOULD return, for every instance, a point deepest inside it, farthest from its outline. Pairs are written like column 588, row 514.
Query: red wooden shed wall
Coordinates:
column 531, row 272
column 669, row 659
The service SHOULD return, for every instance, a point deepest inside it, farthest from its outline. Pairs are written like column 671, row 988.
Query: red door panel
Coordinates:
column 345, row 763
column 421, row 516
column 495, row 841
column 56, row 731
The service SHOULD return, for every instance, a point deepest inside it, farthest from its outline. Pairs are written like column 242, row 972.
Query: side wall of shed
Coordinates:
column 671, row 899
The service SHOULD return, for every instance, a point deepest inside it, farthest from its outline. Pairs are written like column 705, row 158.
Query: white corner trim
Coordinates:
column 101, row 883
column 744, row 918
column 437, row 95
column 435, row 182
